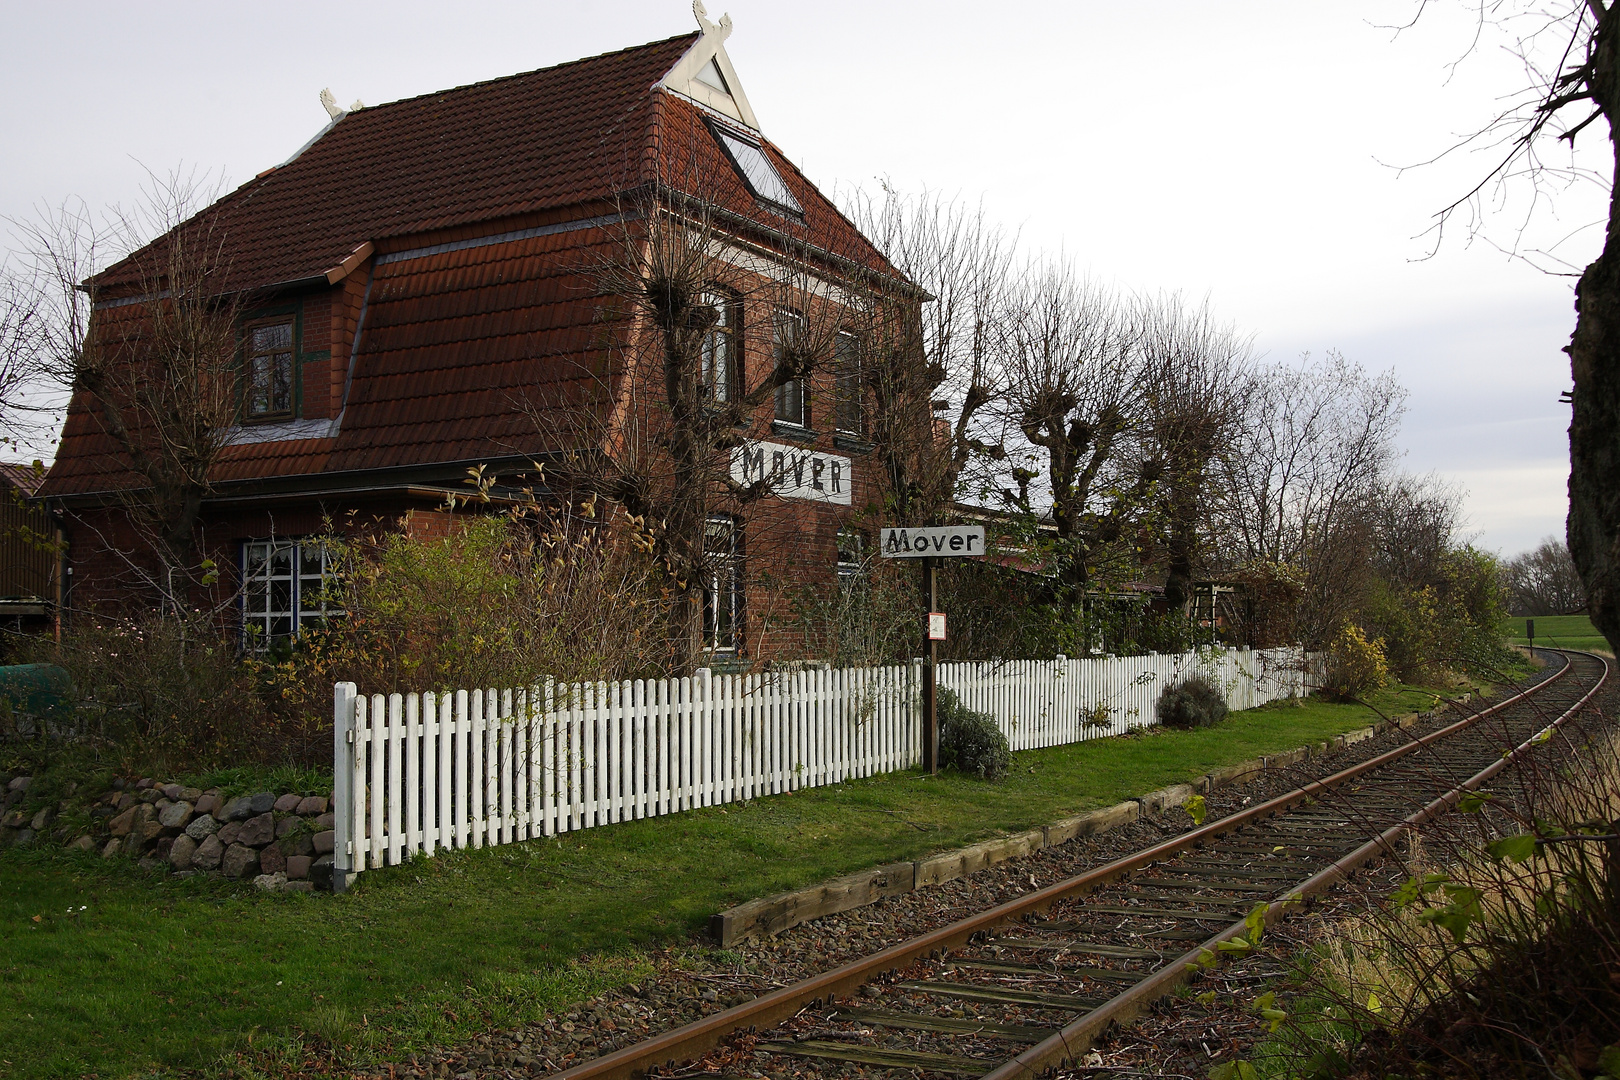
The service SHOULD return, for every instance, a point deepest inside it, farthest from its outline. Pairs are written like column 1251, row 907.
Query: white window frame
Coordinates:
column 271, row 614
column 724, row 590
column 722, row 348
column 850, row 555
column 850, row 396
column 795, row 392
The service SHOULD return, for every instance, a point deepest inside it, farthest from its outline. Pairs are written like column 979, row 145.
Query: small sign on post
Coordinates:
column 930, row 545
column 1530, row 631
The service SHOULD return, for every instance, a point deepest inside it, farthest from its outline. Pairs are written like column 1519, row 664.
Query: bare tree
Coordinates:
column 1570, row 51
column 1314, row 438
column 1073, row 392
column 148, row 348
column 1414, row 521
column 935, row 368
column 1195, row 371
column 1314, row 442
column 1544, row 581
column 658, row 428
column 23, row 311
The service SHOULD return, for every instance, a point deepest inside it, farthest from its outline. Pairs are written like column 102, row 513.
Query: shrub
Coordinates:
column 496, row 601
column 166, row 693
column 1193, row 702
column 969, row 741
column 1354, row 664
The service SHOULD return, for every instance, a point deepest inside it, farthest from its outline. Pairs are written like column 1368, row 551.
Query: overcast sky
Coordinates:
column 1237, row 149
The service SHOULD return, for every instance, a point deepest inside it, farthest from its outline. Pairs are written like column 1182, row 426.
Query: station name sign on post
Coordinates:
column 938, row 542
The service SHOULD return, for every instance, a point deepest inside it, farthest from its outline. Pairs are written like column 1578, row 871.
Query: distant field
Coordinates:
column 1558, row 632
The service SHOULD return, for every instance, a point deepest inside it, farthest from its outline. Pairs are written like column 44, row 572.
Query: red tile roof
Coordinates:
column 524, row 144
column 455, row 346
column 453, row 341
column 25, row 478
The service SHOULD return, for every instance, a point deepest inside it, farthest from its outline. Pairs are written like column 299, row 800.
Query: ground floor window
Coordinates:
column 851, row 557
column 723, row 585
column 284, row 590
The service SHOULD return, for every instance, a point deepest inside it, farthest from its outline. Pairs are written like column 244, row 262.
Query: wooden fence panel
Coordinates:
column 459, row 769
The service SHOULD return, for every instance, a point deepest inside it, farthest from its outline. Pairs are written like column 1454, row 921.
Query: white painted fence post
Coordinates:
column 343, row 695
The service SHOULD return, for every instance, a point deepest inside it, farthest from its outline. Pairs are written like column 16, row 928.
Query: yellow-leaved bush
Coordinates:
column 1354, row 664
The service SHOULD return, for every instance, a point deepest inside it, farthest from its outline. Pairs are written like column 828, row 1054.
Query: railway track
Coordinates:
column 1026, row 986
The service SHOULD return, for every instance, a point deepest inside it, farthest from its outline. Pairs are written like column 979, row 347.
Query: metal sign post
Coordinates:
column 930, row 686
column 930, row 545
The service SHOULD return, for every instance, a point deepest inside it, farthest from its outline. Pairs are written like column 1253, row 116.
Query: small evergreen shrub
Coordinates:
column 969, row 741
column 1194, row 702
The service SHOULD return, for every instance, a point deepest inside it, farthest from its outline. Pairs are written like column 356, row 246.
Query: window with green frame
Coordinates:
column 270, row 363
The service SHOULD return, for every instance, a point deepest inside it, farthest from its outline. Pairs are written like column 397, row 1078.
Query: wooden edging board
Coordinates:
column 773, row 914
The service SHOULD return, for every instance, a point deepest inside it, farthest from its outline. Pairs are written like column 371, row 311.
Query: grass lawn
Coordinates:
column 1558, row 632
column 109, row 972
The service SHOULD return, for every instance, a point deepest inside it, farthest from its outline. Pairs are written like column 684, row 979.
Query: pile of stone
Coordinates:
column 281, row 841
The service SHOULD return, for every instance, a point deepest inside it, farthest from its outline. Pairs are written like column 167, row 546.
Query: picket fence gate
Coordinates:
column 467, row 768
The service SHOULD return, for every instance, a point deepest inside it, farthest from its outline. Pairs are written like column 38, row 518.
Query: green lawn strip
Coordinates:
column 159, row 973
column 1558, row 632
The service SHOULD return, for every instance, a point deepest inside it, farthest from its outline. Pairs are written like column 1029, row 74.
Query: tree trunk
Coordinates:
column 1594, row 440
column 1594, row 355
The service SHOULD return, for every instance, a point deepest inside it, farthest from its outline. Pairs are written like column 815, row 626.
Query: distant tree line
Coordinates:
column 1544, row 581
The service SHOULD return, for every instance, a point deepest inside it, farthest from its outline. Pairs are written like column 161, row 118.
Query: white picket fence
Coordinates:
column 418, row 772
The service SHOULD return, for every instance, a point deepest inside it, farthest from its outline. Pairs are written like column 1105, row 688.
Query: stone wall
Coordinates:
column 282, row 841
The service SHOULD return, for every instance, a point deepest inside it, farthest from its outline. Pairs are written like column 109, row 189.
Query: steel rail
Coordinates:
column 696, row 1038
column 1076, row 1039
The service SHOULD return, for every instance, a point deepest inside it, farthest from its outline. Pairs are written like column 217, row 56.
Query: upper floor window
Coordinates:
column 792, row 397
column 850, row 408
column 722, row 358
column 286, row 586
column 269, row 370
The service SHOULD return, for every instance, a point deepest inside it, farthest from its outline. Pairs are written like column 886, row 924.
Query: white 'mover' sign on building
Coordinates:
column 795, row 472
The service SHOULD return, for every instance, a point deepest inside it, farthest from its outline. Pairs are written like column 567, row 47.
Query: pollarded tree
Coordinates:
column 1195, row 371
column 656, row 430
column 1074, row 388
column 935, row 370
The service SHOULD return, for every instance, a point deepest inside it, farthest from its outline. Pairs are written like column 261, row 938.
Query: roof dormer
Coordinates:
column 705, row 73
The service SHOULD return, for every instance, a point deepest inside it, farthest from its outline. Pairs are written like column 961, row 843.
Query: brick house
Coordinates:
column 425, row 275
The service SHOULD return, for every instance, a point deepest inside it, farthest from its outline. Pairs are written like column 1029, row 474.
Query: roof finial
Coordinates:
column 329, row 103
column 722, row 29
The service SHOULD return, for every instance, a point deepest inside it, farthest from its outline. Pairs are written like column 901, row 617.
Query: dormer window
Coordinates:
column 751, row 163
column 269, row 370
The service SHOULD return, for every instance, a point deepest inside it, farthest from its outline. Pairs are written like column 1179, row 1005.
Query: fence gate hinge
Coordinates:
column 348, row 848
column 349, row 736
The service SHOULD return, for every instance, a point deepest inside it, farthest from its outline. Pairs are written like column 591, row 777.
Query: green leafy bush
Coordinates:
column 1193, row 702
column 969, row 741
column 1354, row 664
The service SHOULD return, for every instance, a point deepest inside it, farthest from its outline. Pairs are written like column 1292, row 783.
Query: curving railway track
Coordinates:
column 1027, row 985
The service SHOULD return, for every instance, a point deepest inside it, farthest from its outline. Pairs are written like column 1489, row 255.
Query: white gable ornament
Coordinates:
column 705, row 73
